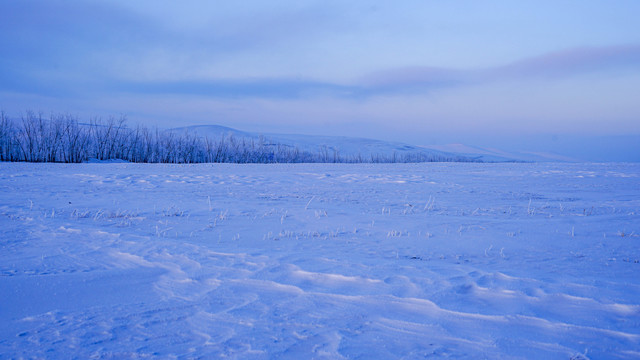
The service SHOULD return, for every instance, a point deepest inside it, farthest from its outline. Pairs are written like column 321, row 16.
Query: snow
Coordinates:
column 498, row 155
column 344, row 145
column 443, row 260
column 353, row 146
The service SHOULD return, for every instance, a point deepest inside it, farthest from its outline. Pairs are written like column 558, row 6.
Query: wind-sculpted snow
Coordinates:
column 320, row 261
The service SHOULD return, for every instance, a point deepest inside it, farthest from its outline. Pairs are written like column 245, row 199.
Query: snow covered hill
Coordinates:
column 354, row 146
column 491, row 154
column 347, row 147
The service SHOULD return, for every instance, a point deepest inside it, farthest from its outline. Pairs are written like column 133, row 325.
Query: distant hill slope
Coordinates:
column 354, row 146
column 342, row 145
column 499, row 155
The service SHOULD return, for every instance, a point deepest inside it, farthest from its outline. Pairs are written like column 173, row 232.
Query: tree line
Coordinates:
column 63, row 138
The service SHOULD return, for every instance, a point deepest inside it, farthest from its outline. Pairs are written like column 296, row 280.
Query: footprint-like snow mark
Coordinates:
column 125, row 260
column 500, row 294
column 178, row 279
column 176, row 284
column 402, row 286
column 268, row 319
column 321, row 346
column 623, row 309
column 422, row 340
column 266, row 286
column 69, row 230
column 334, row 282
column 297, row 317
column 191, row 273
column 383, row 179
column 472, row 332
column 324, row 282
column 33, row 295
column 211, row 329
column 125, row 331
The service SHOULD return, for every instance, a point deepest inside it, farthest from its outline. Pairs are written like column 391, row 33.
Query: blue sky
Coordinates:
column 418, row 71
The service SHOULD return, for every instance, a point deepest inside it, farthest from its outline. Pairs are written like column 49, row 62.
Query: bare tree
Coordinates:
column 62, row 138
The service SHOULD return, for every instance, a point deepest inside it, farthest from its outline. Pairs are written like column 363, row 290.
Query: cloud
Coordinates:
column 408, row 80
column 71, row 29
column 265, row 88
column 391, row 82
column 60, row 47
column 69, row 48
column 573, row 62
column 555, row 65
column 402, row 81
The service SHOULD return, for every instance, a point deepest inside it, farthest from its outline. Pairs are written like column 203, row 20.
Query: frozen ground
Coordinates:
column 320, row 261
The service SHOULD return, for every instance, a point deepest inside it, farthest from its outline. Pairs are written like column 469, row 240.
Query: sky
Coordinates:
column 486, row 73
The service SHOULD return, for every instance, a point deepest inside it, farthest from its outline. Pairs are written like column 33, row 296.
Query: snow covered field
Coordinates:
column 320, row 261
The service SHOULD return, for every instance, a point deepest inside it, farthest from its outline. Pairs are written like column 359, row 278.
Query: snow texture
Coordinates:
column 298, row 261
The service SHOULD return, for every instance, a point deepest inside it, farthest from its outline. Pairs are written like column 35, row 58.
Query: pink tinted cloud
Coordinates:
column 557, row 64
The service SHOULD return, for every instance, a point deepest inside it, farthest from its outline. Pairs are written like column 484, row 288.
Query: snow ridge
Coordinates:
column 326, row 261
